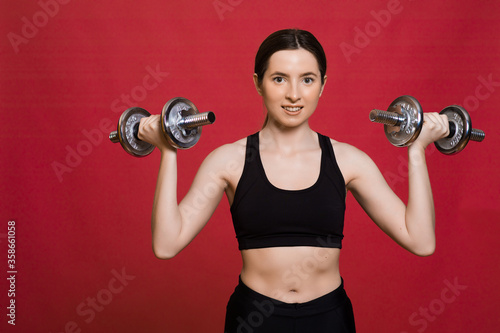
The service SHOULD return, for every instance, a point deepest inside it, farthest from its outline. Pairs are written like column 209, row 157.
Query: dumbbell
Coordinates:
column 404, row 118
column 181, row 123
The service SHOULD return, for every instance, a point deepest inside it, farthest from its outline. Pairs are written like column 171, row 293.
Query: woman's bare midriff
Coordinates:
column 295, row 274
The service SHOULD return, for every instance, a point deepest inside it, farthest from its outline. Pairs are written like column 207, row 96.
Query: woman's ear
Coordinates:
column 256, row 82
column 323, row 86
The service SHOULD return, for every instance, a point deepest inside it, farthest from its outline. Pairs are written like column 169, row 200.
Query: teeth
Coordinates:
column 292, row 109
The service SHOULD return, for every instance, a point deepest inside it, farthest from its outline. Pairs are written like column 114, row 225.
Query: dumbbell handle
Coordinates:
column 396, row 119
column 192, row 121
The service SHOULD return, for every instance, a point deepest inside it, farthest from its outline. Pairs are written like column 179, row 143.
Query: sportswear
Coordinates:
column 266, row 216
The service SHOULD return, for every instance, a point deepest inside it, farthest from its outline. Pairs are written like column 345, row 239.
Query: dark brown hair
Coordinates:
column 289, row 39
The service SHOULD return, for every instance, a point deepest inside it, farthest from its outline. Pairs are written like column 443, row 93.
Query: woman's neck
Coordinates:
column 288, row 139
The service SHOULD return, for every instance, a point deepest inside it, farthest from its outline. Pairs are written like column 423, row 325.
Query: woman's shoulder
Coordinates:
column 350, row 157
column 226, row 162
column 228, row 153
column 346, row 150
column 235, row 147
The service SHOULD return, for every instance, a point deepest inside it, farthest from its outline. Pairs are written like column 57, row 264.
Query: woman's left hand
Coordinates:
column 435, row 127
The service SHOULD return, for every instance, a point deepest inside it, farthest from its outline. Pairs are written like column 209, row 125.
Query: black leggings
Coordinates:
column 251, row 312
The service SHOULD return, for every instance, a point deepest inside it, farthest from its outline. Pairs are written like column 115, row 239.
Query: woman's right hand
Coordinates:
column 150, row 131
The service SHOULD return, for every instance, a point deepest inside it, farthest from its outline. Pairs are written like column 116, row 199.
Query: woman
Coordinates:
column 286, row 186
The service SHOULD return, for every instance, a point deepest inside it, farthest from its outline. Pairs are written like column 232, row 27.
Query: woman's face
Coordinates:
column 291, row 87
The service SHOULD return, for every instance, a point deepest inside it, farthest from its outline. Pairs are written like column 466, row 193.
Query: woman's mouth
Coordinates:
column 292, row 108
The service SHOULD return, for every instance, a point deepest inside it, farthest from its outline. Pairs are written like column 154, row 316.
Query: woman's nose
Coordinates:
column 293, row 93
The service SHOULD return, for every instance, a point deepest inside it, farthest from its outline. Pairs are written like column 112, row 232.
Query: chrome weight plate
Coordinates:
column 128, row 125
column 459, row 137
column 404, row 134
column 173, row 112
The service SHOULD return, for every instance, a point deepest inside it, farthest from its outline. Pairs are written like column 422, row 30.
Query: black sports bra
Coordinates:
column 267, row 216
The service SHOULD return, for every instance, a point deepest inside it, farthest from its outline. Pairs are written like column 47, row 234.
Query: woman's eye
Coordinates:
column 308, row 80
column 279, row 79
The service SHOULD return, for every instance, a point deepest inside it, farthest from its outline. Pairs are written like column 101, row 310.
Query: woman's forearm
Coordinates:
column 166, row 219
column 420, row 216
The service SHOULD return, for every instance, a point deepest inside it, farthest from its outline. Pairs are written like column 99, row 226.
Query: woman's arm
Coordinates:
column 175, row 225
column 411, row 226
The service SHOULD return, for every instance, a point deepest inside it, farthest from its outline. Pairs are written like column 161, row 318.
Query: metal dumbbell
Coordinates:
column 181, row 124
column 404, row 118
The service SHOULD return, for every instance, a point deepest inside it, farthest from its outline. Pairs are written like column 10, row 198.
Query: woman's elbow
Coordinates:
column 425, row 251
column 164, row 254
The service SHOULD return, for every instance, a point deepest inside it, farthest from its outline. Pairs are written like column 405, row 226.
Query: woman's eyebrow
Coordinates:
column 309, row 74
column 286, row 75
column 279, row 74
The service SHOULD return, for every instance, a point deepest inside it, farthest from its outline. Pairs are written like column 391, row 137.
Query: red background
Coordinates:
column 79, row 218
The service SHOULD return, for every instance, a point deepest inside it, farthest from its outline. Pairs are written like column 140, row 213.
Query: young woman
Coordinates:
column 286, row 186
